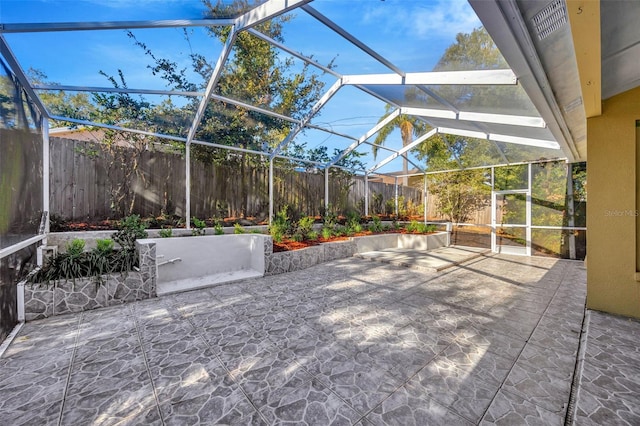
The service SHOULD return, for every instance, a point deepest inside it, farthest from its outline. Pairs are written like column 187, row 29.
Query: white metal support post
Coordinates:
column 494, row 240
column 45, row 175
column 396, row 200
column 366, row 194
column 326, row 190
column 571, row 212
column 270, row 190
column 187, row 184
column 528, row 232
column 424, row 196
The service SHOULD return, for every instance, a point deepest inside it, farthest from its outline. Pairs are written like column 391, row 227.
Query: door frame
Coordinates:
column 498, row 248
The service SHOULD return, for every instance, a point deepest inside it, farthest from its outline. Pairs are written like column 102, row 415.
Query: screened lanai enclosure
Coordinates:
column 211, row 109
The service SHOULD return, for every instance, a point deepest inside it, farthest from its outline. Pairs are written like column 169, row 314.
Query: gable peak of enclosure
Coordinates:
column 270, row 76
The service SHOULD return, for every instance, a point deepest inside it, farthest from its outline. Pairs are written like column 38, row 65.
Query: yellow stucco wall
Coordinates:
column 612, row 208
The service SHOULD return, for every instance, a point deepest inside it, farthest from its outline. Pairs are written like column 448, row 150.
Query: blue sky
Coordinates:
column 412, row 34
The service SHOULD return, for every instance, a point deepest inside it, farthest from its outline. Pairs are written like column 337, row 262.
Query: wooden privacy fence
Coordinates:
column 83, row 179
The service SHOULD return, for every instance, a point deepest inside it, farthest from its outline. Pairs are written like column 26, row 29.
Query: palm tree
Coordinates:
column 409, row 126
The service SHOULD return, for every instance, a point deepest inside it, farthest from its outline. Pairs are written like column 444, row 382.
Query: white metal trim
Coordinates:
column 116, row 90
column 314, row 110
column 541, row 143
column 373, row 79
column 110, row 25
column 474, row 77
column 514, row 120
column 19, row 246
column 213, row 81
column 266, row 11
column 430, row 112
column 375, row 129
column 353, row 40
column 405, row 149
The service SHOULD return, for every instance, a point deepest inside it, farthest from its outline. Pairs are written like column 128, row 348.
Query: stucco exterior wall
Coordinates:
column 612, row 219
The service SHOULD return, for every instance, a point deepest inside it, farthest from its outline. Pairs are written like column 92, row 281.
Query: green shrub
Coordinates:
column 166, row 233
column 238, row 229
column 353, row 224
column 76, row 247
column 105, row 246
column 198, row 226
column 218, row 229
column 131, row 229
column 312, row 236
column 280, row 225
column 327, row 232
column 376, row 224
column 305, row 226
column 76, row 263
column 419, row 228
column 329, row 219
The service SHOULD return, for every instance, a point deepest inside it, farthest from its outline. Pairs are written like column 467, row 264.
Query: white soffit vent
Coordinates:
column 549, row 19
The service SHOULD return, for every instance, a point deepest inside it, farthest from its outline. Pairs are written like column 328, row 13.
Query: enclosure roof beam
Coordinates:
column 519, row 163
column 13, row 63
column 182, row 139
column 292, row 52
column 120, row 128
column 211, row 85
column 375, row 129
column 276, row 115
column 115, row 25
column 513, row 120
column 473, row 77
column 265, row 11
column 448, row 145
column 430, row 112
column 314, row 110
column 404, row 150
column 465, row 78
column 541, row 143
column 353, row 40
column 116, row 90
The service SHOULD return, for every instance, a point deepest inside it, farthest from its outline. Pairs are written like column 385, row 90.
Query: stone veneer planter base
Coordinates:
column 37, row 301
column 289, row 261
column 42, row 301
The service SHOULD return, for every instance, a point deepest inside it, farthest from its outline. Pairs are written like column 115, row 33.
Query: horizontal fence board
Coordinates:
column 83, row 178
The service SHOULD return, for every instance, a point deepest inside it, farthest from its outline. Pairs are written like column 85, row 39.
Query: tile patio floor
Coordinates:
column 346, row 342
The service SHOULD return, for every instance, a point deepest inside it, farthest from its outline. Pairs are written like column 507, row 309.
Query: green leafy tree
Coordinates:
column 255, row 73
column 459, row 194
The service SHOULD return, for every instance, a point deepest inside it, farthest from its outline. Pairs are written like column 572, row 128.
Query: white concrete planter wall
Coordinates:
column 408, row 241
column 195, row 262
column 62, row 239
